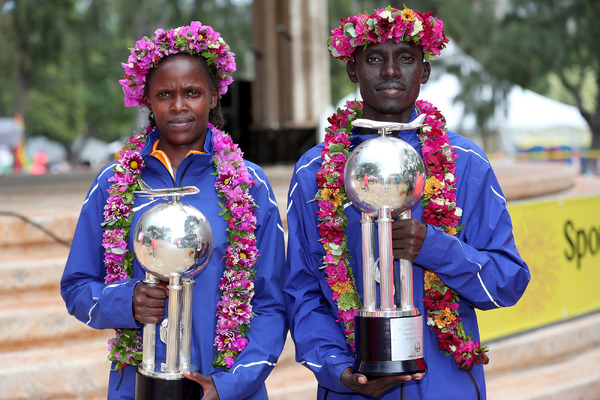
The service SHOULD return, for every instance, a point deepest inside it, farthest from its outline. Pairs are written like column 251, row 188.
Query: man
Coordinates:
column 459, row 237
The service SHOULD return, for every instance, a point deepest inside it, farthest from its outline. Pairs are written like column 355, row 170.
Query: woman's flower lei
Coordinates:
column 387, row 23
column 195, row 39
column 439, row 209
column 237, row 285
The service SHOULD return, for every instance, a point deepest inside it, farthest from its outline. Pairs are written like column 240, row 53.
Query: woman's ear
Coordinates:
column 214, row 99
column 351, row 71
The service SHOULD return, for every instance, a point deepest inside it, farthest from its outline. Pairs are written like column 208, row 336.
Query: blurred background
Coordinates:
column 519, row 77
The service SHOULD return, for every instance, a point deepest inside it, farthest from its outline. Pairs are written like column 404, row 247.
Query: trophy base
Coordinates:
column 374, row 369
column 151, row 388
column 389, row 345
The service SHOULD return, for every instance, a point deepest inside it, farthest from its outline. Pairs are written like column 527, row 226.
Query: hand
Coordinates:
column 408, row 236
column 207, row 384
column 149, row 303
column 374, row 387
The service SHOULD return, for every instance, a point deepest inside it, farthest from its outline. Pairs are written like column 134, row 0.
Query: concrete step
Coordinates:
column 38, row 322
column 576, row 377
column 24, row 229
column 29, row 271
column 545, row 346
column 75, row 370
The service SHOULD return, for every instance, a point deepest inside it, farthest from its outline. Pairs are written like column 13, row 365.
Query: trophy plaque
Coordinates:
column 384, row 178
column 173, row 242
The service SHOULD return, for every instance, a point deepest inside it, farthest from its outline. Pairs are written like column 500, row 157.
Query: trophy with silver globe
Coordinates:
column 384, row 178
column 173, row 242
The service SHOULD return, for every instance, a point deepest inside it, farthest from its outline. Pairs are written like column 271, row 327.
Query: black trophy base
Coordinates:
column 377, row 339
column 150, row 388
column 374, row 369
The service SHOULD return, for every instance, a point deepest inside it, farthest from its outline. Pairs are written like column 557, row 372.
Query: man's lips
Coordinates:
column 390, row 86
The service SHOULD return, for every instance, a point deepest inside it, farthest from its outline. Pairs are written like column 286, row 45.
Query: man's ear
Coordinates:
column 351, row 71
column 426, row 72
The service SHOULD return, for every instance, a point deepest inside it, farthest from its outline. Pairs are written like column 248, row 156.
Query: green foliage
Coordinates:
column 61, row 60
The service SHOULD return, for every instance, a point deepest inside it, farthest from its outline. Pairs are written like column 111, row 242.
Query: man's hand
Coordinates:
column 207, row 384
column 408, row 236
column 149, row 303
column 374, row 387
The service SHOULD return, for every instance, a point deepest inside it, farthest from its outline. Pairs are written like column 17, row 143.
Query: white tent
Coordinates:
column 526, row 120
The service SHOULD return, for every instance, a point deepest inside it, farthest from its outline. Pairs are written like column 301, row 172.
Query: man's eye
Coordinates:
column 194, row 92
column 163, row 94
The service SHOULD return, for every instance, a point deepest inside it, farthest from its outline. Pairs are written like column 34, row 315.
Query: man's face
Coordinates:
column 389, row 75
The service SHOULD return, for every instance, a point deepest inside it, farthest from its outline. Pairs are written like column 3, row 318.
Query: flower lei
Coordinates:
column 439, row 209
column 234, row 311
column 387, row 23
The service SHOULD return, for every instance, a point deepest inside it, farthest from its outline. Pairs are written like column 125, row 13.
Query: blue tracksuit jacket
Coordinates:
column 110, row 306
column 481, row 264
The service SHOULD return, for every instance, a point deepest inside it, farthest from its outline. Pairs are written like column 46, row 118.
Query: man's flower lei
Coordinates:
column 439, row 209
column 237, row 285
column 195, row 39
column 388, row 23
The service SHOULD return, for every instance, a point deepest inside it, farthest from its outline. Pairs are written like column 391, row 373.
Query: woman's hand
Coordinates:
column 149, row 303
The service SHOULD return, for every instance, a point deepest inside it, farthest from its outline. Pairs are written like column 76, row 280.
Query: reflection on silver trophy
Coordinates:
column 384, row 178
column 173, row 242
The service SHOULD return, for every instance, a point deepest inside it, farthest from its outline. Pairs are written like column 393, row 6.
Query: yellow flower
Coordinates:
column 450, row 230
column 133, row 164
column 444, row 318
column 342, row 287
column 333, row 195
column 243, row 255
column 408, row 15
column 432, row 186
column 429, row 277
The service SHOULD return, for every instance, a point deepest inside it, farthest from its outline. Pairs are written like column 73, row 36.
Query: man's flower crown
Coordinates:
column 387, row 23
column 195, row 39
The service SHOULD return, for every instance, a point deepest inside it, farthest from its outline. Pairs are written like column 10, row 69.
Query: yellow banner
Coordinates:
column 560, row 241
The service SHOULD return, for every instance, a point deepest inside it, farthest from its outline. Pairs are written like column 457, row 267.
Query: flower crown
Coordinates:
column 195, row 39
column 388, row 23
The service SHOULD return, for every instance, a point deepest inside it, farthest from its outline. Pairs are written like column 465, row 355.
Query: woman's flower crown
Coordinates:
column 388, row 23
column 195, row 39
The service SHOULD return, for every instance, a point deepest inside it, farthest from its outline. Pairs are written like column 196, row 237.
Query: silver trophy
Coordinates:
column 384, row 178
column 173, row 242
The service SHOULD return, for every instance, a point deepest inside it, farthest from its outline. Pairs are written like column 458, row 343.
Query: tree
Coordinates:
column 532, row 43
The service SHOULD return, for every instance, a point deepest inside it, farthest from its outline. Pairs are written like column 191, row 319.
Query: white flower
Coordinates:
column 448, row 177
column 417, row 27
column 387, row 15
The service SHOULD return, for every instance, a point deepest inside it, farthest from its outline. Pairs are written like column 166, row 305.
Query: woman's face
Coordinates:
column 181, row 96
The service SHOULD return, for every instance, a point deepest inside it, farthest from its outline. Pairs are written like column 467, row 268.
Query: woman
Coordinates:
column 238, row 323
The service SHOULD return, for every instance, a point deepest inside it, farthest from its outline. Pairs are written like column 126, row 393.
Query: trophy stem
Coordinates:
column 185, row 358
column 406, row 277
column 149, row 336
column 386, row 259
column 174, row 327
column 368, row 262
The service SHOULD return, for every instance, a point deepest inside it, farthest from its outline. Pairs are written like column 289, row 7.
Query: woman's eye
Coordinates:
column 193, row 93
column 163, row 94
